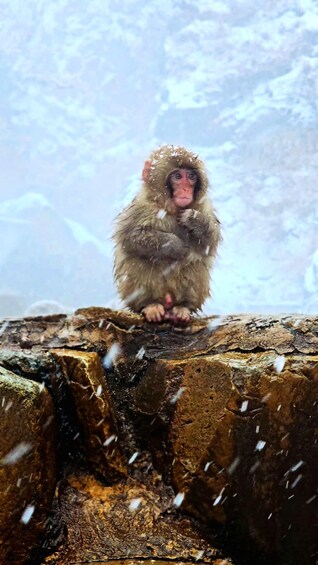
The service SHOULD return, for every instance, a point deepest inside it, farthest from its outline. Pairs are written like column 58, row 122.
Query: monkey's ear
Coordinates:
column 146, row 171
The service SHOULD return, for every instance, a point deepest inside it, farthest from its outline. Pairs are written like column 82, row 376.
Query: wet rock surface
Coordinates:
column 27, row 465
column 240, row 440
column 85, row 378
column 222, row 414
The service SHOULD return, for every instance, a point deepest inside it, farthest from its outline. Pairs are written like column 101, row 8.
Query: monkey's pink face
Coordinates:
column 183, row 183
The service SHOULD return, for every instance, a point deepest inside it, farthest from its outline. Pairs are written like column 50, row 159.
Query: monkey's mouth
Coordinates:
column 183, row 201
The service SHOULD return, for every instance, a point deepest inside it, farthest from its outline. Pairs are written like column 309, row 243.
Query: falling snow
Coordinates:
column 170, row 268
column 214, row 324
column 140, row 354
column 161, row 214
column 233, row 466
column 3, row 327
column 112, row 355
column 133, row 458
column 8, row 406
column 254, row 467
column 16, row 453
column 219, row 497
column 138, row 292
column 178, row 395
column 296, row 481
column 177, row 501
column 244, row 406
column 134, row 504
column 279, row 363
column 27, row 514
column 297, row 466
column 109, row 440
column 260, row 445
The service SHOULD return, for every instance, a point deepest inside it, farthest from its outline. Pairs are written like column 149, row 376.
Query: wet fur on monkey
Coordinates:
column 161, row 249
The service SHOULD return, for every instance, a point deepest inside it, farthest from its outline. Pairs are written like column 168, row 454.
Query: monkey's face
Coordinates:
column 183, row 182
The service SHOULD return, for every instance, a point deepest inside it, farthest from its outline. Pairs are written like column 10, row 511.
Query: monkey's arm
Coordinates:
column 205, row 228
column 151, row 243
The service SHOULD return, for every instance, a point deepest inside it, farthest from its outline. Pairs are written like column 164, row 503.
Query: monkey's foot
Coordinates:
column 178, row 315
column 154, row 312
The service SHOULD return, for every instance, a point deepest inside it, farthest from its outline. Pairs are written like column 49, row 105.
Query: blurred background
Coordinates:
column 87, row 90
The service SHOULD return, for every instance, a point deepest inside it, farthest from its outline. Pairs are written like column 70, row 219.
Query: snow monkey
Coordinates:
column 166, row 239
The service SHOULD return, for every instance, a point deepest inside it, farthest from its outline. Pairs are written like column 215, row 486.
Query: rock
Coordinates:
column 130, row 520
column 238, row 435
column 225, row 409
column 97, row 329
column 27, row 465
column 92, row 403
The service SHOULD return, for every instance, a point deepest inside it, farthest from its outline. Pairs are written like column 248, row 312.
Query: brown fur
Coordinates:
column 154, row 254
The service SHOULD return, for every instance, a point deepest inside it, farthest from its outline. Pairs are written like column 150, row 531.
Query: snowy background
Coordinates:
column 88, row 89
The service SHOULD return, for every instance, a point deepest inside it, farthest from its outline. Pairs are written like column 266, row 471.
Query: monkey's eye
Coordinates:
column 192, row 176
column 176, row 175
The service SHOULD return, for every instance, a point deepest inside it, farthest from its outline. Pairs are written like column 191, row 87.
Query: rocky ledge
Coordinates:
column 129, row 442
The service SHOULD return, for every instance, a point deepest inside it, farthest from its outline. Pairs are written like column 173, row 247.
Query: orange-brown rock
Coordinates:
column 225, row 410
column 27, row 465
column 240, row 440
column 131, row 520
column 86, row 380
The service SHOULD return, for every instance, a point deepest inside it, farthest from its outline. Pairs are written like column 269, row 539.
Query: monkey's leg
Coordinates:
column 154, row 312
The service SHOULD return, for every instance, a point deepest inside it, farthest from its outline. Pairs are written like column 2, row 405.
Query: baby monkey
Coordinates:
column 167, row 238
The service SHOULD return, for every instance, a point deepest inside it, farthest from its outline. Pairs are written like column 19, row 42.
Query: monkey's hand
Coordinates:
column 201, row 226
